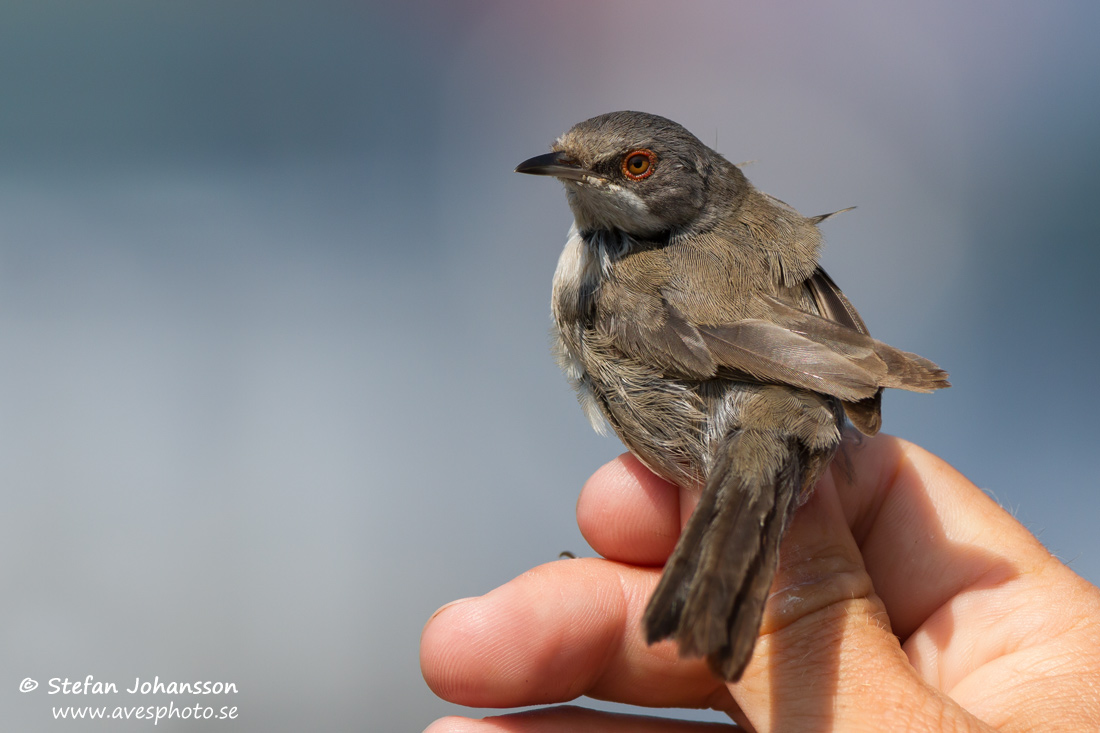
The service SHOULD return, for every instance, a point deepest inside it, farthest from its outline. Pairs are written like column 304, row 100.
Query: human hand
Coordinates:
column 906, row 599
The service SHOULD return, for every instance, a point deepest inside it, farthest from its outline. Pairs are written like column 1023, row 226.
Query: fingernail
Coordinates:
column 443, row 608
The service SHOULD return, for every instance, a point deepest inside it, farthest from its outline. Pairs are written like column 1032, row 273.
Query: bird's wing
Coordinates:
column 832, row 303
column 781, row 344
column 758, row 349
column 903, row 370
column 771, row 352
column 865, row 414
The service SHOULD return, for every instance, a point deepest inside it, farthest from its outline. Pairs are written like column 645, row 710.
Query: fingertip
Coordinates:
column 441, row 642
column 627, row 513
column 508, row 647
column 452, row 724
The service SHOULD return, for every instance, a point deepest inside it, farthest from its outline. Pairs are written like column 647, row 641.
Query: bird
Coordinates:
column 691, row 316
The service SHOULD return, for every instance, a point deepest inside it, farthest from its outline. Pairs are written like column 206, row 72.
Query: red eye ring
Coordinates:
column 639, row 164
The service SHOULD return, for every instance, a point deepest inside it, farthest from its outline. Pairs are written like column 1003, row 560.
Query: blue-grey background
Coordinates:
column 275, row 381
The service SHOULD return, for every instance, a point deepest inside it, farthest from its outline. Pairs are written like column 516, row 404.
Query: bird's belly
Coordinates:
column 675, row 426
column 663, row 421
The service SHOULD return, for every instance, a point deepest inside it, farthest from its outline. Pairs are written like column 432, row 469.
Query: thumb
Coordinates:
column 827, row 658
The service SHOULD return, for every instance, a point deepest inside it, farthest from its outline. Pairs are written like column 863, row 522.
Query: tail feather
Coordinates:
column 665, row 609
column 745, row 625
column 905, row 370
column 866, row 414
column 712, row 594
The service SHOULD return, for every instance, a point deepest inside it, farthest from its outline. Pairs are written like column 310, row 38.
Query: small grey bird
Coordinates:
column 691, row 315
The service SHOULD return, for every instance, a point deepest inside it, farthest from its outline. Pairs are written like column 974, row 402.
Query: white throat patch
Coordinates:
column 600, row 204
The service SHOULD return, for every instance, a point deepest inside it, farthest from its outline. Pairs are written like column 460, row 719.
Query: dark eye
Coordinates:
column 638, row 164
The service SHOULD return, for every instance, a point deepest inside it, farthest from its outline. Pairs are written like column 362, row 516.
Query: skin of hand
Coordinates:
column 906, row 599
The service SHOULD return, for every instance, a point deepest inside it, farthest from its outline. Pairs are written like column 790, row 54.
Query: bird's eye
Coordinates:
column 639, row 164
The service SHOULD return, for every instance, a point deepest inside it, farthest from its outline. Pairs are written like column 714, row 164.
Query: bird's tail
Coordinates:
column 712, row 593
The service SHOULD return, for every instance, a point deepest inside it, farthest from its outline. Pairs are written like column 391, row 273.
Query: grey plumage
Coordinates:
column 691, row 314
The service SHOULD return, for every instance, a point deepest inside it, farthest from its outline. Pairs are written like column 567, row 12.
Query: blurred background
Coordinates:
column 276, row 382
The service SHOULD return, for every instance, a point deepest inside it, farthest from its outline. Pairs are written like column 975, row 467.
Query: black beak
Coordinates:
column 558, row 165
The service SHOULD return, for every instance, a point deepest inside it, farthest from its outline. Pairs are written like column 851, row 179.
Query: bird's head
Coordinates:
column 634, row 172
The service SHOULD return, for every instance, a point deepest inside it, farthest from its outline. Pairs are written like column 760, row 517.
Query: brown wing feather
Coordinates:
column 902, row 369
column 831, row 355
column 772, row 353
column 865, row 414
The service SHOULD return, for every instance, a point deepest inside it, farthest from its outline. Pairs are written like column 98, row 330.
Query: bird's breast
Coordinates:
column 576, row 279
column 661, row 420
column 576, row 283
